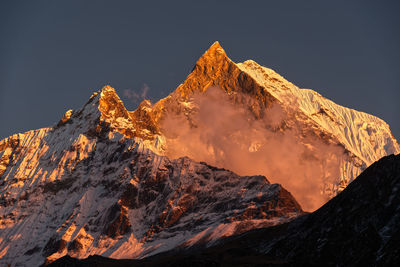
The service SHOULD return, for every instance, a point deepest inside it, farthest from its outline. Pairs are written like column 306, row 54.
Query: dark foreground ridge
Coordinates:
column 359, row 227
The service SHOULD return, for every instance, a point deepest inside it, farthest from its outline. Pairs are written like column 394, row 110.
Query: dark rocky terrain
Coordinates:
column 84, row 188
column 359, row 227
column 133, row 184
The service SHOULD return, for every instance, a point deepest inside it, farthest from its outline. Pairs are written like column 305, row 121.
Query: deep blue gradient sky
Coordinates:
column 54, row 54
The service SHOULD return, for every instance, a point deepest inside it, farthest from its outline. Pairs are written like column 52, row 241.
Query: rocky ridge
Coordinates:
column 99, row 181
column 85, row 187
column 359, row 227
column 349, row 140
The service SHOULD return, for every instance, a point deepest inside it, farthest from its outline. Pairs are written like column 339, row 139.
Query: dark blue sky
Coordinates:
column 54, row 54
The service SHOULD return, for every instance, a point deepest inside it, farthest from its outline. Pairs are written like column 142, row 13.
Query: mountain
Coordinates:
column 131, row 184
column 247, row 118
column 359, row 227
column 83, row 187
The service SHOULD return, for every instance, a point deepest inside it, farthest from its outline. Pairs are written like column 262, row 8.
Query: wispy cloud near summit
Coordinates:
column 137, row 96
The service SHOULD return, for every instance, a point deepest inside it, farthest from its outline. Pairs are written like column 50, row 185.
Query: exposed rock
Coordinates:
column 55, row 244
column 119, row 222
column 338, row 141
column 91, row 189
column 359, row 227
column 99, row 180
column 65, row 118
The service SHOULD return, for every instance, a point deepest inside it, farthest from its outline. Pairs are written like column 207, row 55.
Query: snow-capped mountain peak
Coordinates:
column 119, row 183
column 275, row 116
column 365, row 135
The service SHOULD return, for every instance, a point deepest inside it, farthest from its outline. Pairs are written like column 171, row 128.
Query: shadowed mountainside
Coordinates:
column 359, row 227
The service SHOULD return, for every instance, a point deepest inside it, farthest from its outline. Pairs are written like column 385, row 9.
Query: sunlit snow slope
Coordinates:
column 249, row 119
column 85, row 187
column 108, row 181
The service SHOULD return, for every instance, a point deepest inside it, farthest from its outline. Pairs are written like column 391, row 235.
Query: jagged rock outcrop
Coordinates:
column 269, row 118
column 359, row 227
column 107, row 181
column 85, row 187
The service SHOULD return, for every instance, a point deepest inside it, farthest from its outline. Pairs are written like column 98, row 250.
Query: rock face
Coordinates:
column 86, row 187
column 122, row 184
column 359, row 227
column 247, row 118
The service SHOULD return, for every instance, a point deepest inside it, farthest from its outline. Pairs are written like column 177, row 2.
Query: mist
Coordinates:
column 137, row 97
column 221, row 130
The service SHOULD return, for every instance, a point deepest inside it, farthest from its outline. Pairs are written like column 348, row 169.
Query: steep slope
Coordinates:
column 86, row 187
column 359, row 227
column 366, row 136
column 247, row 118
column 116, row 183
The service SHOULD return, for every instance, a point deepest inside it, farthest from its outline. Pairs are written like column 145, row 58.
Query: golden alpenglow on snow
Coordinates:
column 234, row 148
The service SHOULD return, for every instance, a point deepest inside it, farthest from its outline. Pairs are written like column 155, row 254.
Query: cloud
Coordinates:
column 137, row 97
column 222, row 130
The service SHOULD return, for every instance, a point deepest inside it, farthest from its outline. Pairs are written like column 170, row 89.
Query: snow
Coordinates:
column 60, row 179
column 365, row 136
column 63, row 182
